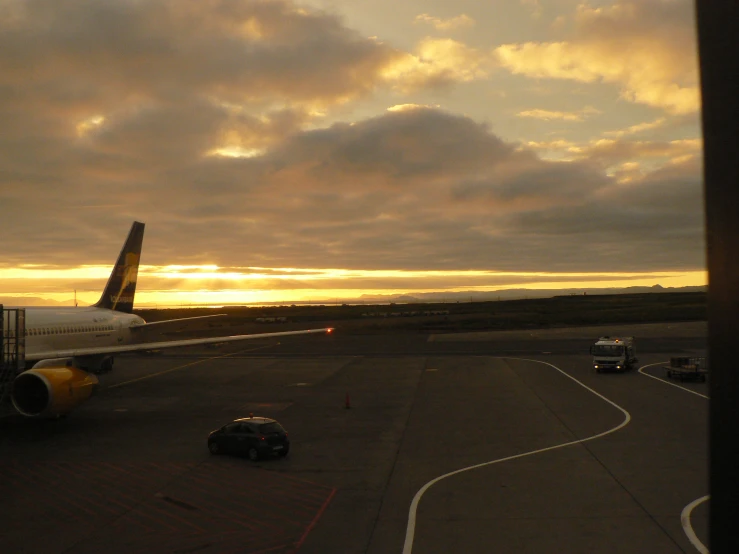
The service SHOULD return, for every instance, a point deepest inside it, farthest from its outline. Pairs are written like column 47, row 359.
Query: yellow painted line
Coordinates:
column 188, row 365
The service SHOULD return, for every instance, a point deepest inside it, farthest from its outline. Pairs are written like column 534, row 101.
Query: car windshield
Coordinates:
column 608, row 350
column 273, row 427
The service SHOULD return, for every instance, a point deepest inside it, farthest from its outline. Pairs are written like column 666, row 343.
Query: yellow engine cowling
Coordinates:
column 52, row 389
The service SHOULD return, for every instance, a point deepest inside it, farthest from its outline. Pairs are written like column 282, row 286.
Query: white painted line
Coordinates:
column 411, row 528
column 668, row 382
column 688, row 528
column 685, row 515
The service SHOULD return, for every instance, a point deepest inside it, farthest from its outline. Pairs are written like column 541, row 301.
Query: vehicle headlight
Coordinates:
column 618, row 367
column 596, row 367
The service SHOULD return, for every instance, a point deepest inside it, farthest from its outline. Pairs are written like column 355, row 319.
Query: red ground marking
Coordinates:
column 247, row 549
column 302, row 481
column 149, row 470
column 96, row 486
column 277, row 498
column 306, row 491
column 253, row 504
column 131, row 518
column 315, row 520
column 102, row 476
column 233, row 515
column 158, row 519
column 165, row 510
column 60, row 487
column 273, row 549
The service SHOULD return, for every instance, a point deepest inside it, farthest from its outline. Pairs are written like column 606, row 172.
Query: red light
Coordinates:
column 330, row 330
column 261, row 437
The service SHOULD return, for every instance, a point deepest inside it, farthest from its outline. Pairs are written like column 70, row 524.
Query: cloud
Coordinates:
column 624, row 159
column 611, row 151
column 238, row 51
column 455, row 22
column 438, row 62
column 406, row 107
column 638, row 128
column 193, row 117
column 548, row 115
column 412, row 189
column 646, row 48
column 534, row 7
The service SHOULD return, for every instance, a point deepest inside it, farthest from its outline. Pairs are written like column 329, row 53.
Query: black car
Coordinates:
column 254, row 436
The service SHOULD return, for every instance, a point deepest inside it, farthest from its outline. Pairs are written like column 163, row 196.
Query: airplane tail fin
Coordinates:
column 119, row 292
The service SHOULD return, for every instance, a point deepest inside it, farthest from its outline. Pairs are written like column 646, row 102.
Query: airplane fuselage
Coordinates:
column 66, row 328
column 65, row 346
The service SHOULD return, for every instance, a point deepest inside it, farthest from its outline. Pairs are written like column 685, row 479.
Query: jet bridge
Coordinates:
column 12, row 349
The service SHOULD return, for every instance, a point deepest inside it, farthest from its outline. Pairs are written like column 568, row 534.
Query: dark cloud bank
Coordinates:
column 112, row 111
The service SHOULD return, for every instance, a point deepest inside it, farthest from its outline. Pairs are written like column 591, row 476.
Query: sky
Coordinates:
column 325, row 149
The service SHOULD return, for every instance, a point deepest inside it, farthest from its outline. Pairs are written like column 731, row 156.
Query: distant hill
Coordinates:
column 33, row 301
column 416, row 297
column 515, row 294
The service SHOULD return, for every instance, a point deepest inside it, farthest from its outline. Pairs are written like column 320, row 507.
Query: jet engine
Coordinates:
column 52, row 388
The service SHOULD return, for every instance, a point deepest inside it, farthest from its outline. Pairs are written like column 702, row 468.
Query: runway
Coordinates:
column 129, row 471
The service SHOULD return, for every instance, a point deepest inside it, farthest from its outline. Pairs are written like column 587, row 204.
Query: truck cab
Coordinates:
column 613, row 354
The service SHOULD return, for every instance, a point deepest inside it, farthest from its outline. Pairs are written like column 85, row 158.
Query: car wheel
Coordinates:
column 214, row 448
column 283, row 453
column 253, row 454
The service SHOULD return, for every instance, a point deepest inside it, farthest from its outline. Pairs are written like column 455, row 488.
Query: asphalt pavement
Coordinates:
column 468, row 443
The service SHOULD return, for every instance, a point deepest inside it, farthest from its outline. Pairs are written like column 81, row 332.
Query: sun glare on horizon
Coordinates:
column 209, row 284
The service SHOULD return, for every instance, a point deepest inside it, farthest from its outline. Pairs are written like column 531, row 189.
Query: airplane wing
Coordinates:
column 102, row 350
column 159, row 323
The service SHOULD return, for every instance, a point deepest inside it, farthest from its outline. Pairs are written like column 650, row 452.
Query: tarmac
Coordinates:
column 460, row 443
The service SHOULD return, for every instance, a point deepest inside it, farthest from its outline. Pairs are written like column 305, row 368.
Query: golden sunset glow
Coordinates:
column 321, row 151
column 212, row 285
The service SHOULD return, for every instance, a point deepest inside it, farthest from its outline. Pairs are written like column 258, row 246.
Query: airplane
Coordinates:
column 69, row 346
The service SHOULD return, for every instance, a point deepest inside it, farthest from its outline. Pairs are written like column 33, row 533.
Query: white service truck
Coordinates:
column 613, row 354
